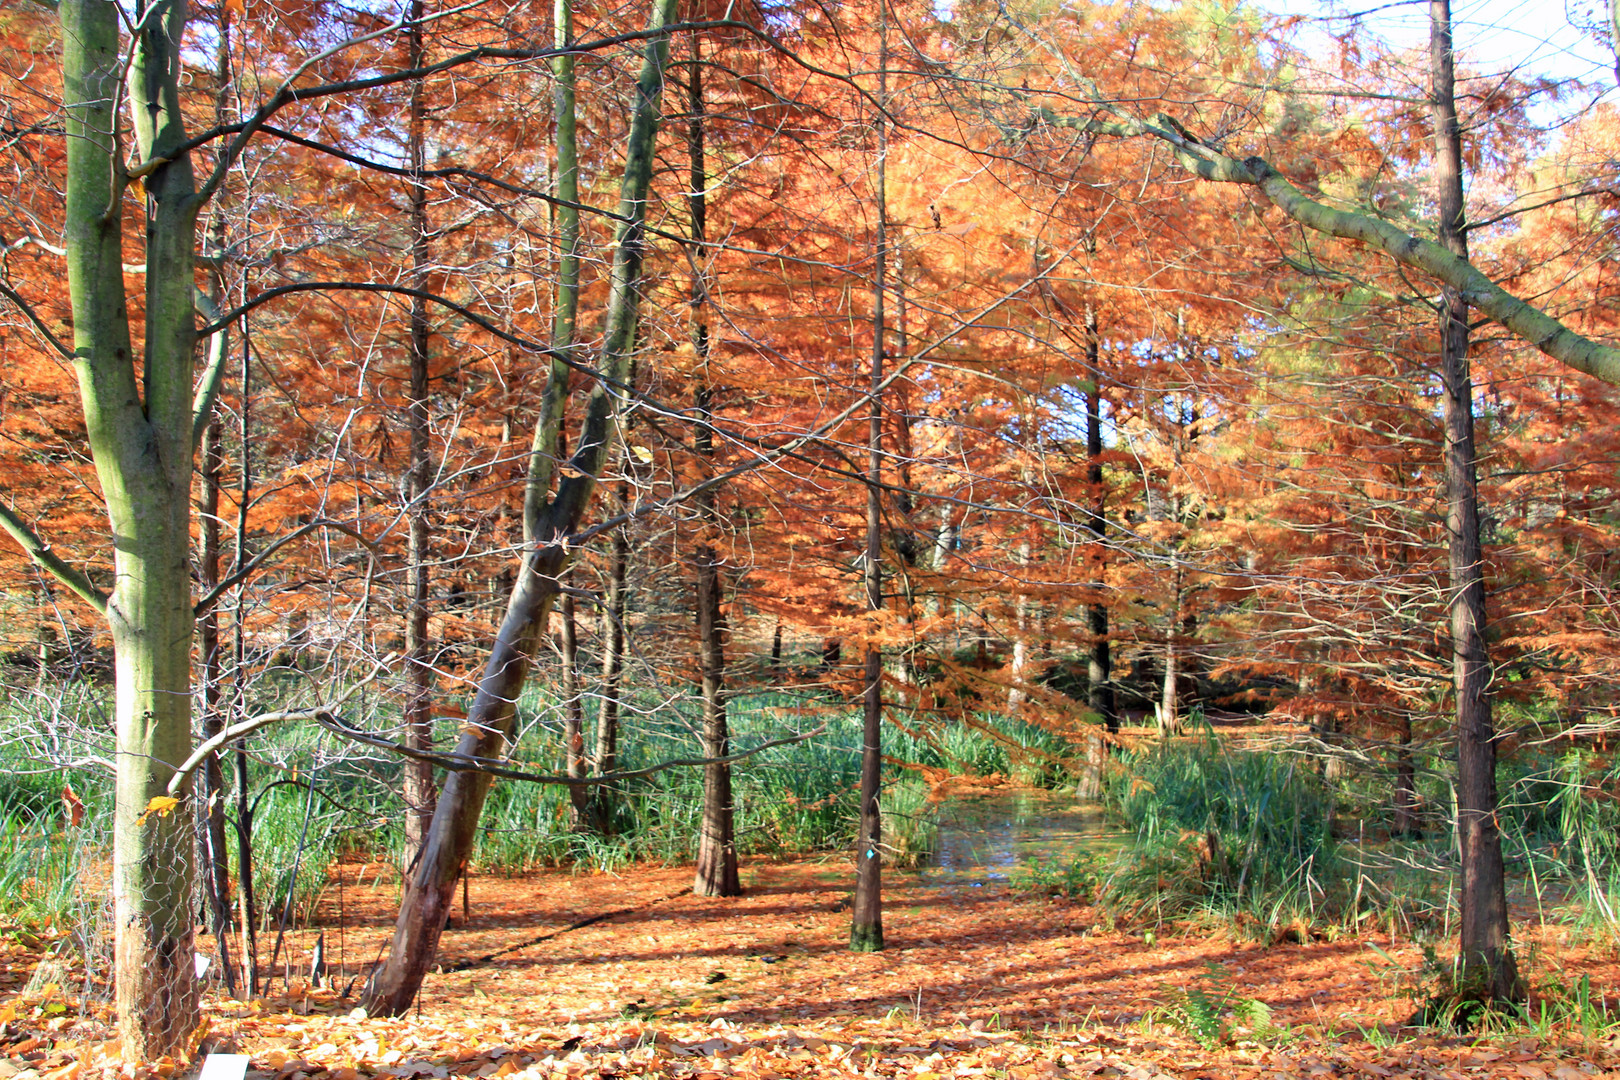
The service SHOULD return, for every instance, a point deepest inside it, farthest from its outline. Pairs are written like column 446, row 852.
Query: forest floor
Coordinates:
column 974, row 982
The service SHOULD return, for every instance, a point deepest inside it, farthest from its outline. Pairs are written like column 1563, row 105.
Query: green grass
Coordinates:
column 42, row 866
column 788, row 800
column 1238, row 837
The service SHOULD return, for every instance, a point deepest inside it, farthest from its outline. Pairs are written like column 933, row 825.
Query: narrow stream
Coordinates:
column 984, row 839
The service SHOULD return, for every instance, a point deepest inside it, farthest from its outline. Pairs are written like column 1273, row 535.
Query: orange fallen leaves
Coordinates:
column 977, row 983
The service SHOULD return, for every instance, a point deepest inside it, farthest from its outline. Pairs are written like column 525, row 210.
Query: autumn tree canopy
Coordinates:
column 1071, row 364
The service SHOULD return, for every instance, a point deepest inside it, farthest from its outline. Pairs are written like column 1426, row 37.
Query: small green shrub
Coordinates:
column 1214, row 1011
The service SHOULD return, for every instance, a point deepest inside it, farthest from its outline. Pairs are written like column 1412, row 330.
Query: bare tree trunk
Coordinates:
column 1099, row 667
column 1488, row 971
column 716, row 873
column 142, row 432
column 581, row 798
column 1169, row 701
column 420, row 790
column 717, row 845
column 215, row 862
column 549, row 520
column 1020, row 650
column 613, row 656
column 585, row 802
column 866, row 925
column 246, row 903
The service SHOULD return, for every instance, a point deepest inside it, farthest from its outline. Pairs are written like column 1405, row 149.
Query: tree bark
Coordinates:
column 245, row 901
column 1487, row 971
column 141, row 436
column 549, row 520
column 576, row 762
column 564, row 326
column 866, row 924
column 1020, row 649
column 215, row 860
column 1099, row 665
column 420, row 791
column 1170, row 697
column 716, row 873
column 613, row 656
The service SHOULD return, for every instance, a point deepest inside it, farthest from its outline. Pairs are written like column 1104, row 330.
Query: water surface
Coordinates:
column 985, row 838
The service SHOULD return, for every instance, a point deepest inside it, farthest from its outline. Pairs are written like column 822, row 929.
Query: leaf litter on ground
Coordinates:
column 975, row 982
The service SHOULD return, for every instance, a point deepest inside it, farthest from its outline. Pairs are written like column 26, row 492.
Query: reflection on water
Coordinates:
column 984, row 838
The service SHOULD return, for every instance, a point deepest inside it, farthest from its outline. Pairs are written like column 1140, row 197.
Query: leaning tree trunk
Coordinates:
column 1488, row 971
column 548, row 523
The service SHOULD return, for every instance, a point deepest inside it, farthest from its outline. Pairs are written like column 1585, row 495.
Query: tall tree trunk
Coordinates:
column 716, row 873
column 1488, row 971
column 548, row 520
column 1180, row 620
column 141, row 431
column 246, row 903
column 420, row 790
column 215, row 861
column 866, row 925
column 215, row 854
column 564, row 326
column 908, row 546
column 1099, row 666
column 717, row 844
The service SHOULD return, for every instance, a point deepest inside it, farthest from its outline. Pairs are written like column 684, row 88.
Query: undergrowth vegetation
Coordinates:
column 1215, row 833
column 1264, row 841
column 313, row 798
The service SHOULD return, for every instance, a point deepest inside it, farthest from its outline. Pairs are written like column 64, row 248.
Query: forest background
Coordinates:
column 959, row 359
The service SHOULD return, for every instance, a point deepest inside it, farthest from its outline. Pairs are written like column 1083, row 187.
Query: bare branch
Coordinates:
column 500, row 767
column 41, row 553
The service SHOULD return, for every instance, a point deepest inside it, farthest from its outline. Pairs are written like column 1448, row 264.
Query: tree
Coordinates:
column 142, row 434
column 717, row 841
column 550, row 519
column 1487, row 970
